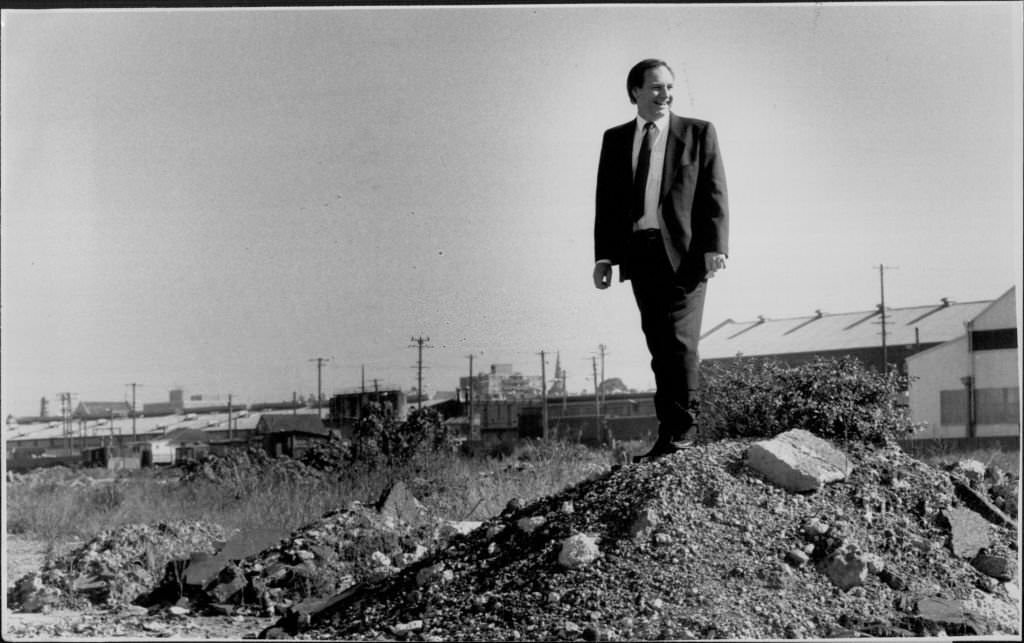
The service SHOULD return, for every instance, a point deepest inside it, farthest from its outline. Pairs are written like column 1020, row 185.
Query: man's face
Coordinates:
column 655, row 97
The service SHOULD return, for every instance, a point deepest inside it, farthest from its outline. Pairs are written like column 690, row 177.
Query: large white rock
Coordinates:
column 798, row 460
column 847, row 567
column 578, row 550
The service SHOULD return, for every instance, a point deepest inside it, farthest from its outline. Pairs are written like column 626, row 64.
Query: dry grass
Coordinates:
column 455, row 487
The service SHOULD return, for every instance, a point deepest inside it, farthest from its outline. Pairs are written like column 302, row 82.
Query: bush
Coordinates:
column 331, row 456
column 380, row 439
column 837, row 399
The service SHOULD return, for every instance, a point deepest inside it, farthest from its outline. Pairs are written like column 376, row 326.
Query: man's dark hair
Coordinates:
column 635, row 78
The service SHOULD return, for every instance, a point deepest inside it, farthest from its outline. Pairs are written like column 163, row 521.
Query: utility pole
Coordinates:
column 229, row 416
column 319, row 389
column 420, row 342
column 133, row 385
column 597, row 400
column 565, row 394
column 469, row 399
column 543, row 397
column 602, row 349
column 881, row 307
column 65, row 416
column 64, row 424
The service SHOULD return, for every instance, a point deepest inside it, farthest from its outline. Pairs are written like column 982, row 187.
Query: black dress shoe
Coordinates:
column 662, row 448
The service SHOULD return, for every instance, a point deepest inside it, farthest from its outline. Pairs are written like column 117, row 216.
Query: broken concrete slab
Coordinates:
column 798, row 460
column 251, row 541
column 203, row 568
column 949, row 614
column 398, row 503
column 978, row 502
column 968, row 531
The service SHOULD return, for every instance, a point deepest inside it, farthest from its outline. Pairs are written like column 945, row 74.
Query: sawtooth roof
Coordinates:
column 823, row 332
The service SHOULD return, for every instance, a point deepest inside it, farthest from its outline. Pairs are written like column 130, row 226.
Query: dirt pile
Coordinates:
column 114, row 568
column 341, row 549
column 697, row 545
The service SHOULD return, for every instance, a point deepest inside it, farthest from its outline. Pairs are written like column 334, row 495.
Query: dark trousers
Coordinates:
column 671, row 308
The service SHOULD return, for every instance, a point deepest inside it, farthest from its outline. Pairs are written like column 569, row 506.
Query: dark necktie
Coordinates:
column 643, row 165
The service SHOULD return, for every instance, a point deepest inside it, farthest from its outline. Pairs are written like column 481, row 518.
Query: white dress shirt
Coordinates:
column 650, row 219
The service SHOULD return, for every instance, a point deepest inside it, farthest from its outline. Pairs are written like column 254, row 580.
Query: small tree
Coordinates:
column 380, row 439
column 613, row 385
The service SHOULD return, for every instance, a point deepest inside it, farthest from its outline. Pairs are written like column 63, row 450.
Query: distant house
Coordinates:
column 797, row 340
column 968, row 387
column 286, row 434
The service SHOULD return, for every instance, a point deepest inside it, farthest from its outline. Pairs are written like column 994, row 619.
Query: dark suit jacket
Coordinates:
column 693, row 201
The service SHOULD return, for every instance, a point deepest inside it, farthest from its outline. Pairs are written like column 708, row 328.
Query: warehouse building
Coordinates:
column 797, row 340
column 969, row 386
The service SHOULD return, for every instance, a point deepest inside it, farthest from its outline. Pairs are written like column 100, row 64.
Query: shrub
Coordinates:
column 838, row 399
column 331, row 456
column 380, row 439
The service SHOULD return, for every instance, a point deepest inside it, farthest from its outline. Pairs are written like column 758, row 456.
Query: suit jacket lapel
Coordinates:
column 627, row 131
column 673, row 152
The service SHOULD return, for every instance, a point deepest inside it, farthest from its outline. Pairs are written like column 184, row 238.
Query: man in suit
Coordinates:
column 662, row 216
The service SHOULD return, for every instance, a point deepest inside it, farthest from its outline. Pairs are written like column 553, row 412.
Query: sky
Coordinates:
column 213, row 198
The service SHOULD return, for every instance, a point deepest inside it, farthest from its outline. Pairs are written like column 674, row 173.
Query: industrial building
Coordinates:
column 797, row 340
column 969, row 386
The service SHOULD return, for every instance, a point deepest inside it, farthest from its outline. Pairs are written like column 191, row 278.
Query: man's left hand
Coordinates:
column 713, row 262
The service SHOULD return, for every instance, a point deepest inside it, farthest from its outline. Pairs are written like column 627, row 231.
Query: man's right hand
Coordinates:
column 602, row 275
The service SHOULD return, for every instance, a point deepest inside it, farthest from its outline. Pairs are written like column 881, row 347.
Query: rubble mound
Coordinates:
column 267, row 571
column 698, row 545
column 114, row 568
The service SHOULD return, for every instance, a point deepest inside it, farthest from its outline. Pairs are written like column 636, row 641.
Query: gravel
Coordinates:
column 694, row 545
